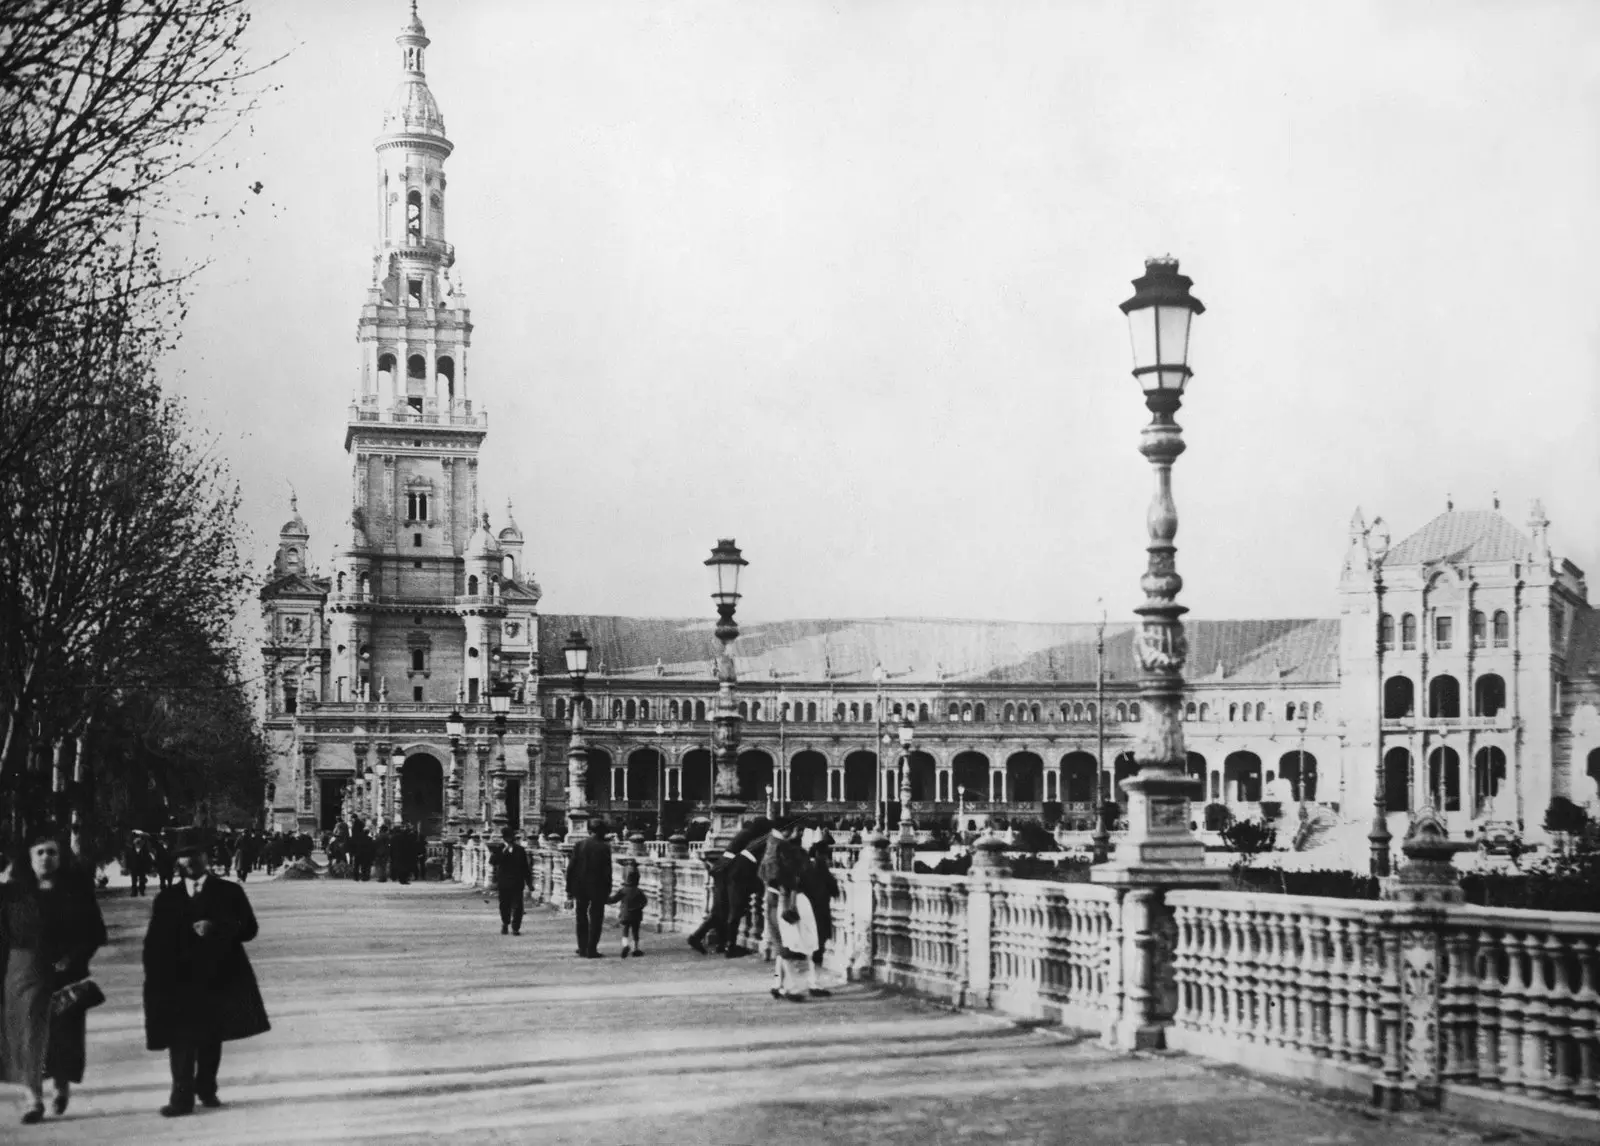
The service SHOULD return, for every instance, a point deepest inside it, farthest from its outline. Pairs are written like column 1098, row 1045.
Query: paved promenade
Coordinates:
column 401, row 1015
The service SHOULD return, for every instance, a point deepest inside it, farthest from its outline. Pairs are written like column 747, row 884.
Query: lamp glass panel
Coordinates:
column 499, row 701
column 1172, row 334
column 398, row 760
column 1142, row 331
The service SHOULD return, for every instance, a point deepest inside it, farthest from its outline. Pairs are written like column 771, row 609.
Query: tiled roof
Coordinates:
column 1462, row 536
column 935, row 651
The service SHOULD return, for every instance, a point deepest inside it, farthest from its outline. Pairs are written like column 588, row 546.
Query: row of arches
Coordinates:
column 1244, row 713
column 1440, row 784
column 1022, row 778
column 416, row 379
column 1444, row 696
column 1479, row 626
column 810, row 712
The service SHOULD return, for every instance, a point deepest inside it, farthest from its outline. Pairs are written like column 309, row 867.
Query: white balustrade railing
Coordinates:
column 1519, row 1003
column 1264, row 977
column 1051, row 948
column 1405, row 1001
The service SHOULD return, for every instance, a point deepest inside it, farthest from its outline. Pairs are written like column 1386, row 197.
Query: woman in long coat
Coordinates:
column 50, row 927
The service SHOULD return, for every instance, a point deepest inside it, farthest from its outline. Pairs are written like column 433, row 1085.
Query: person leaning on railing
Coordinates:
column 734, row 880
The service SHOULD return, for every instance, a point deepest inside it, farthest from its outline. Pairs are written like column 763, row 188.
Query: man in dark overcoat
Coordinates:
column 588, row 886
column 512, row 873
column 733, row 882
column 199, row 989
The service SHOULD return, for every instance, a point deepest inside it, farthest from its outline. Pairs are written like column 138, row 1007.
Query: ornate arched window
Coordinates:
column 1408, row 631
column 1502, row 629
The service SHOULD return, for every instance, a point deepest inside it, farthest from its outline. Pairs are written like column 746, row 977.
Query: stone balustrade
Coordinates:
column 1436, row 1004
column 1489, row 1011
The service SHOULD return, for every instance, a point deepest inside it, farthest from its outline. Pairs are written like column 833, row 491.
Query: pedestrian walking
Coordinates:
column 821, row 887
column 791, row 926
column 734, row 880
column 589, row 886
column 630, row 903
column 139, row 863
column 199, row 988
column 163, row 863
column 512, row 873
column 50, row 927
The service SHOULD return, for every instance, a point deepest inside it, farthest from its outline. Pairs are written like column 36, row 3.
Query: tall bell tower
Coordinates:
column 413, row 434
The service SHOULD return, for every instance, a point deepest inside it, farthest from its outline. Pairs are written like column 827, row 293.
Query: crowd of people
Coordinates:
column 199, row 988
column 236, row 853
column 765, row 860
column 399, row 853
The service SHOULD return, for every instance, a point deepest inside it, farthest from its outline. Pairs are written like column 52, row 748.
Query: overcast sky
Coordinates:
column 841, row 281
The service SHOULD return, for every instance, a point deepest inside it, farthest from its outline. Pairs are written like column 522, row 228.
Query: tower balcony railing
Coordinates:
column 370, row 410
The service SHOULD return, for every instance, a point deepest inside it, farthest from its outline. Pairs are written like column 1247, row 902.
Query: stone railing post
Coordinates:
column 678, row 847
column 636, row 844
column 667, row 907
column 873, row 858
column 988, row 867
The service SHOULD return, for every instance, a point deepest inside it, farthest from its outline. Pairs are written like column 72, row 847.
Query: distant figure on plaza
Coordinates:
column 140, row 861
column 630, row 903
column 163, row 863
column 361, row 852
column 589, row 886
column 199, row 988
column 512, row 874
column 50, row 927
column 402, row 853
column 734, row 880
column 820, row 888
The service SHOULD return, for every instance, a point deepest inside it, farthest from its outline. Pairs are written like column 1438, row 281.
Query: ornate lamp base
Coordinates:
column 577, row 824
column 1158, row 848
column 727, row 819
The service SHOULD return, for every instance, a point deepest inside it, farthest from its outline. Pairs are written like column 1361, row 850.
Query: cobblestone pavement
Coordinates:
column 400, row 1014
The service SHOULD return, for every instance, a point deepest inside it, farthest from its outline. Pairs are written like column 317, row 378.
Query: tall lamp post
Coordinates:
column 576, row 652
column 1102, row 784
column 907, row 733
column 727, row 812
column 500, row 705
column 661, row 782
column 1158, row 843
column 455, row 727
column 1379, row 838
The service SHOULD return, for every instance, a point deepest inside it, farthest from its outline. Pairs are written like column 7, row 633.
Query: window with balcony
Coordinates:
column 1399, row 698
column 1386, row 631
column 1480, row 629
column 414, row 216
column 1489, row 695
column 1408, row 631
column 1443, row 630
column 1502, row 629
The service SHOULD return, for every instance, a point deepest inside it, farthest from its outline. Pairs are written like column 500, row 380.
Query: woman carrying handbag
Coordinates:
column 50, row 927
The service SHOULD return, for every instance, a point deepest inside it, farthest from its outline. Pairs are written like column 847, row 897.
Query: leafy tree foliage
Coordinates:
column 120, row 574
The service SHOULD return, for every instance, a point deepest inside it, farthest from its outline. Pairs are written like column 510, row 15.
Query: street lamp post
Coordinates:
column 500, row 705
column 727, row 812
column 769, row 802
column 455, row 727
column 1102, row 787
column 1379, row 838
column 576, row 652
column 661, row 782
column 1159, row 843
column 907, row 828
column 380, row 772
column 961, row 812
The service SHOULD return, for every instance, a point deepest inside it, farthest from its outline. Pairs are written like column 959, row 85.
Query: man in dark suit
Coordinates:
column 199, row 989
column 733, row 882
column 588, row 886
column 512, row 873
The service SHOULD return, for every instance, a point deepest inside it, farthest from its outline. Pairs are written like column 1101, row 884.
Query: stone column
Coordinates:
column 455, row 810
column 577, row 774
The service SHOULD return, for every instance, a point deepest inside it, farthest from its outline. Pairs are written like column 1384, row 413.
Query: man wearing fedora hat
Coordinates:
column 199, row 988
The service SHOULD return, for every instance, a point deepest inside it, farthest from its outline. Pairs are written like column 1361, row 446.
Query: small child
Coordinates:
column 630, row 910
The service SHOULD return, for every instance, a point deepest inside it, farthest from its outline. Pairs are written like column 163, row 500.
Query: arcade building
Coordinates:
column 417, row 680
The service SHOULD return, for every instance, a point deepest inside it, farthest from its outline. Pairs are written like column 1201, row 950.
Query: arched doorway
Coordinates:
column 1489, row 772
column 860, row 777
column 597, row 778
column 1300, row 769
column 1241, row 778
column 1078, row 778
column 1444, row 779
column 422, row 794
column 923, row 771
column 1024, row 778
column 1397, row 780
column 696, row 776
column 971, row 771
column 808, row 777
column 333, row 790
column 644, row 774
column 755, row 776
